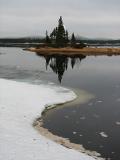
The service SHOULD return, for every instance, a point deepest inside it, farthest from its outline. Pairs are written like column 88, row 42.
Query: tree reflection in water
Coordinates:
column 59, row 63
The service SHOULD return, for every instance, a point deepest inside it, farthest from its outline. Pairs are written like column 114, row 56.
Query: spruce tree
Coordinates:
column 66, row 37
column 73, row 40
column 47, row 39
column 60, row 36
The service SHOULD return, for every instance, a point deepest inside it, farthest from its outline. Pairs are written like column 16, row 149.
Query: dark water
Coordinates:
column 95, row 124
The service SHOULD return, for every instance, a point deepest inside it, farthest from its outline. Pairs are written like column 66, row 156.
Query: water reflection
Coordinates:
column 59, row 63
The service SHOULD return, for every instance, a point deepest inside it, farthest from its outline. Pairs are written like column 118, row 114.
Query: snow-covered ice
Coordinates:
column 20, row 105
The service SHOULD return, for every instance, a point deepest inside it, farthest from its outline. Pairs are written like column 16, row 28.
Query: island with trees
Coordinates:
column 59, row 41
column 60, row 37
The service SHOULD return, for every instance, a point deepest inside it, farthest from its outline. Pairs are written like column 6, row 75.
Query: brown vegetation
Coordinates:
column 74, row 51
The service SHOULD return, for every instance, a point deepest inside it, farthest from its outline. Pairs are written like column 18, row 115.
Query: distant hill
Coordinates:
column 97, row 39
column 34, row 41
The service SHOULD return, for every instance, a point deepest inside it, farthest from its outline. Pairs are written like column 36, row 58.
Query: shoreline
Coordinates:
column 64, row 141
column 38, row 125
column 87, row 51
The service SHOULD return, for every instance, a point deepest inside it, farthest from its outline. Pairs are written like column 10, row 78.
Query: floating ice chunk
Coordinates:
column 80, row 135
column 103, row 134
column 82, row 118
column 99, row 101
column 118, row 123
column 74, row 132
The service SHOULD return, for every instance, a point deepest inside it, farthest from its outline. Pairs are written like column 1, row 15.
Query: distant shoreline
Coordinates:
column 87, row 51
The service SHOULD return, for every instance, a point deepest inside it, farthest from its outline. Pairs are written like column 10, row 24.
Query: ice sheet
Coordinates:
column 20, row 105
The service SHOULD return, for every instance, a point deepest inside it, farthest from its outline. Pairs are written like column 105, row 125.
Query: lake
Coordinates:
column 94, row 124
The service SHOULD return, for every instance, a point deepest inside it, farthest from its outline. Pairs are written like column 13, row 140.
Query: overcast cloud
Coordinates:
column 88, row 18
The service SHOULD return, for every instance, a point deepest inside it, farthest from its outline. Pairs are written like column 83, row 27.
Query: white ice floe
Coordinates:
column 103, row 134
column 118, row 123
column 74, row 132
column 99, row 101
column 20, row 105
column 82, row 118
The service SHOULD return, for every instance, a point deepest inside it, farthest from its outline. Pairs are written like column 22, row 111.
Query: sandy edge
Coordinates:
column 37, row 124
column 87, row 51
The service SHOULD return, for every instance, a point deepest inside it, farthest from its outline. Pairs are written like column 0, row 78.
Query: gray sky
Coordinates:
column 88, row 18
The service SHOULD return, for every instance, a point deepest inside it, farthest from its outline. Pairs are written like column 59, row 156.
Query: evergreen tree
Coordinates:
column 47, row 39
column 66, row 36
column 73, row 40
column 60, row 35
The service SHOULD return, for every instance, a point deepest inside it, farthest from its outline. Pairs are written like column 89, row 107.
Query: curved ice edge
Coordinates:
column 38, row 124
column 20, row 104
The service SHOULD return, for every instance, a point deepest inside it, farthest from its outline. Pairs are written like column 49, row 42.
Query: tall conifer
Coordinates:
column 60, row 36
